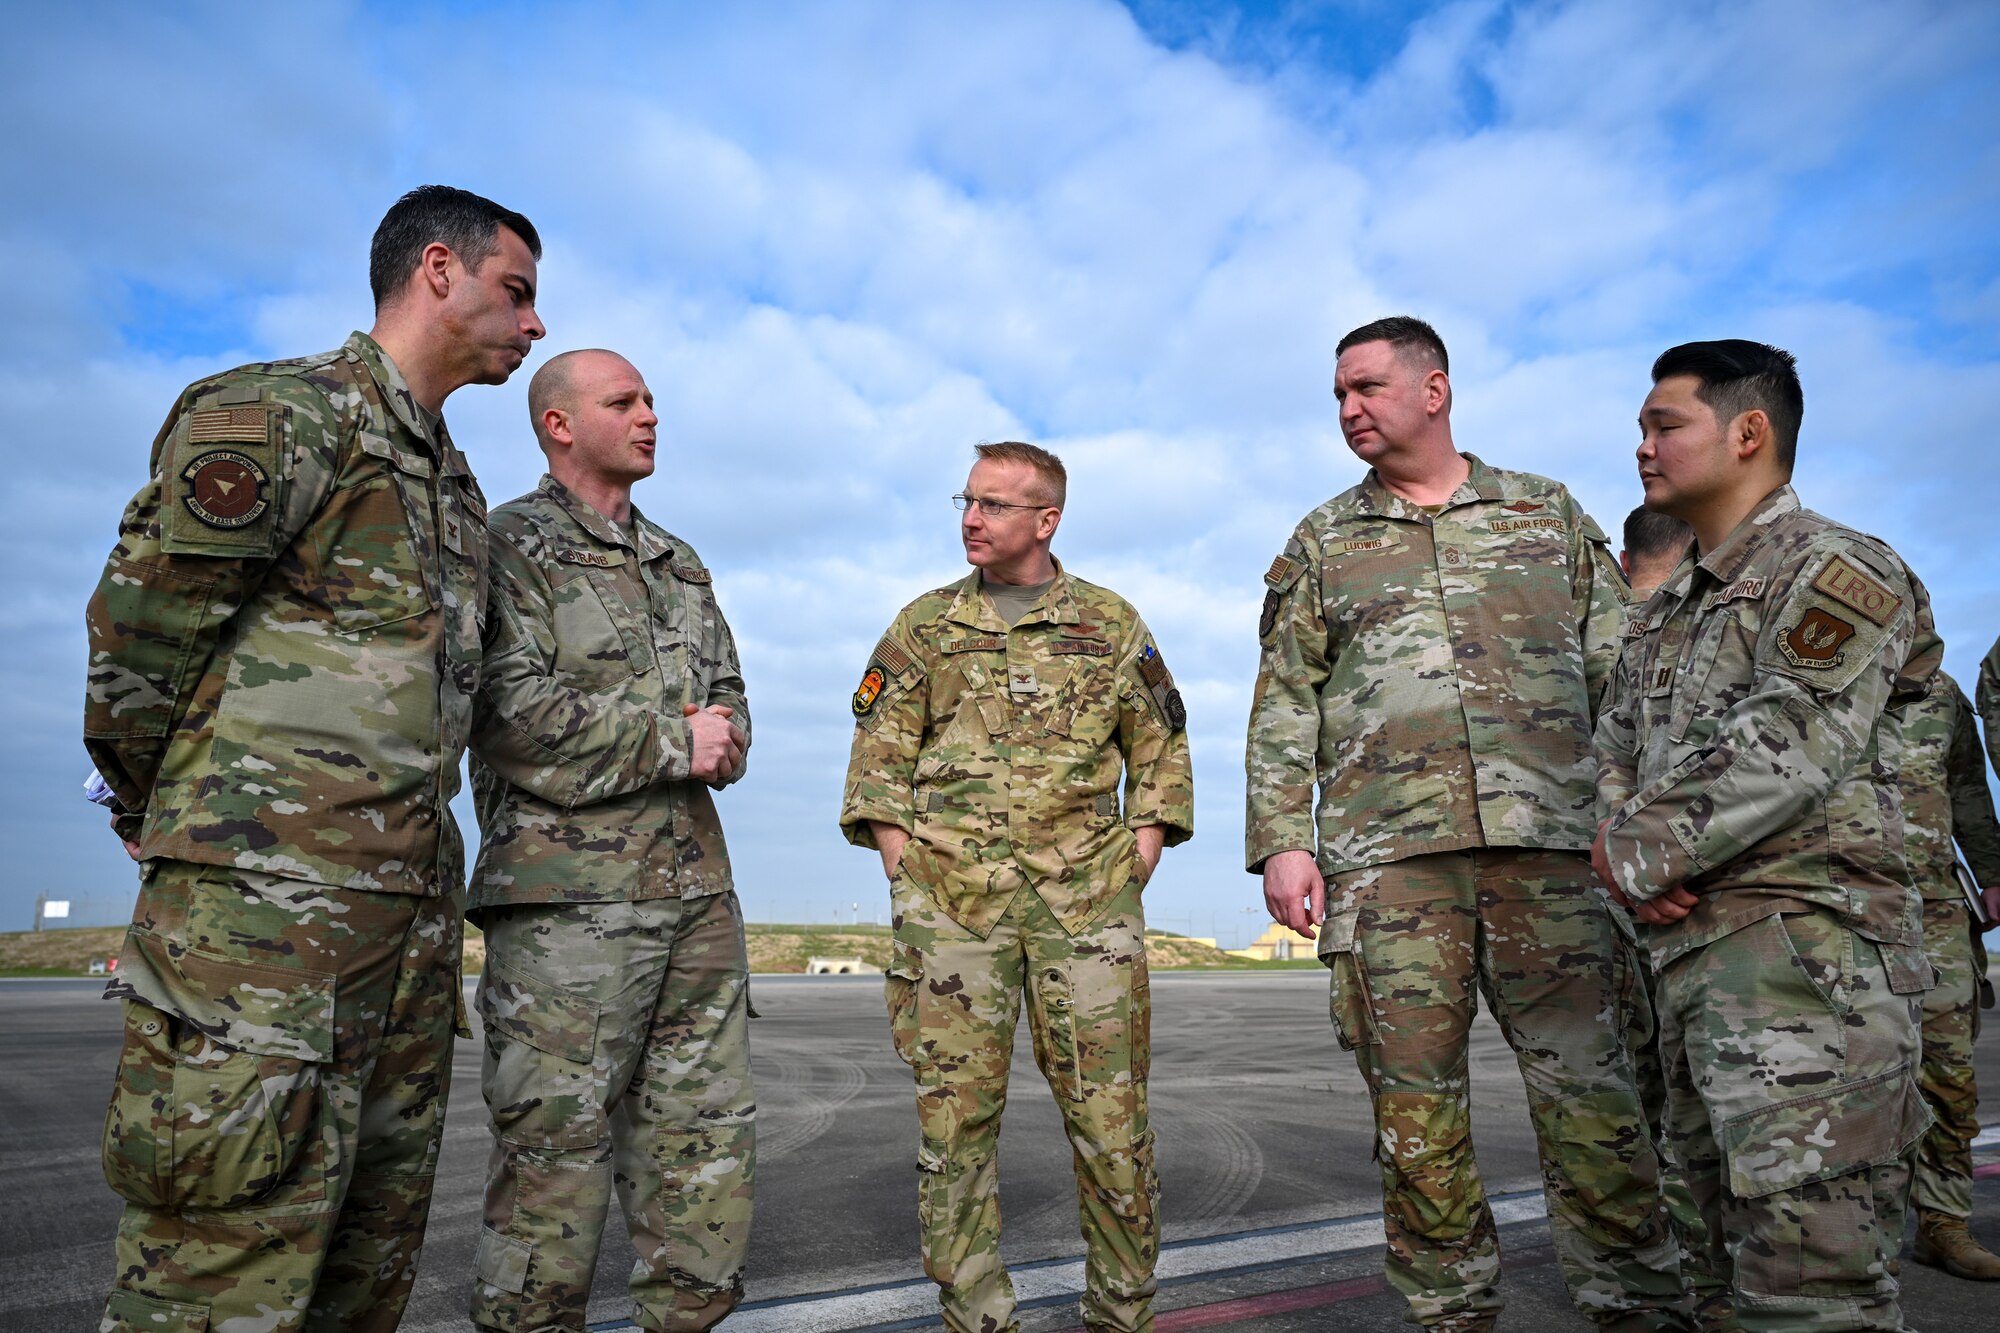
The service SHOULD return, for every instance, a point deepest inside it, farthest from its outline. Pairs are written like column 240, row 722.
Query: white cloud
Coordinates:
column 844, row 242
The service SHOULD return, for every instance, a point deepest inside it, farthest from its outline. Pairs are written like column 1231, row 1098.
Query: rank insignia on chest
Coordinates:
column 1815, row 641
column 225, row 489
column 1021, row 680
column 871, row 690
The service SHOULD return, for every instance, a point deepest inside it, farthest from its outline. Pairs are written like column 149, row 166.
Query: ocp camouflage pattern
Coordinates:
column 1733, row 761
column 1431, row 679
column 1946, row 801
column 580, row 750
column 1000, row 750
column 292, row 695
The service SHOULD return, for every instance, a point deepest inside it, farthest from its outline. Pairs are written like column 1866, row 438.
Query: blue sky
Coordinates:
column 845, row 241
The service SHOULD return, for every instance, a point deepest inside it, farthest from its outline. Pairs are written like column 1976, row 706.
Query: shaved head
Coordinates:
column 554, row 385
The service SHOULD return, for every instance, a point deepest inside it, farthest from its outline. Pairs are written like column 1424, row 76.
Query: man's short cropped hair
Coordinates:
column 466, row 222
column 1737, row 376
column 1650, row 535
column 1050, row 474
column 1413, row 340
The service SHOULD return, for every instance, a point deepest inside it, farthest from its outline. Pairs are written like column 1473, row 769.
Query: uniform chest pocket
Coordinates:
column 602, row 633
column 1085, row 706
column 374, row 540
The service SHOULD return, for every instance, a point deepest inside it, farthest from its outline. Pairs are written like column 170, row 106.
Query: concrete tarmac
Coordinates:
column 1271, row 1199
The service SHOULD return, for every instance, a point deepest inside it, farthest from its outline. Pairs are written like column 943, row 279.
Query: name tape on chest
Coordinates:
column 1371, row 544
column 596, row 559
column 1861, row 592
column 978, row 643
column 1739, row 591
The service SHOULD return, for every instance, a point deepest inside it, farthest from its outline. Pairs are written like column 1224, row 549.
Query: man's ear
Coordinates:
column 1750, row 433
column 436, row 267
column 555, row 426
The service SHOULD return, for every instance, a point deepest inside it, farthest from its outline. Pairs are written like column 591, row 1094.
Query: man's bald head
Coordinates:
column 555, row 385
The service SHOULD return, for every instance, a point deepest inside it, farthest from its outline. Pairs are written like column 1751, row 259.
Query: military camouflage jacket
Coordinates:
column 1945, row 797
column 580, row 748
column 1431, row 678
column 286, row 639
column 1988, row 695
column 1746, row 745
column 999, row 750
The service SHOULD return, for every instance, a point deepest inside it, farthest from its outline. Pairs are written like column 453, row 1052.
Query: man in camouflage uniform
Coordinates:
column 1653, row 544
column 1746, row 751
column 1433, row 642
column 1945, row 798
column 994, row 721
column 283, row 652
column 615, row 997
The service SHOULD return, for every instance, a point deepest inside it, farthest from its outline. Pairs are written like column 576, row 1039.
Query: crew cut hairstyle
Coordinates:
column 460, row 219
column 1405, row 333
column 1651, row 535
column 1737, row 376
column 1054, row 476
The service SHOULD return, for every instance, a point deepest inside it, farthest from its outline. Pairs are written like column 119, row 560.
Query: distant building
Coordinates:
column 829, row 967
column 1277, row 944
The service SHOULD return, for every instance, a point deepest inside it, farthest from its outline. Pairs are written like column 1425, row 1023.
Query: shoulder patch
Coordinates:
column 1853, row 588
column 225, row 473
column 869, row 691
column 890, row 655
column 1160, row 685
column 1814, row 642
column 227, row 425
column 225, row 489
column 1280, row 570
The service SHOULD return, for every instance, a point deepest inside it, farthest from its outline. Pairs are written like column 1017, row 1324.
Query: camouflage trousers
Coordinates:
column 953, row 999
column 1640, row 1024
column 280, row 1096
column 1790, row 1048
column 617, row 1049
column 1950, row 1025
column 1409, row 945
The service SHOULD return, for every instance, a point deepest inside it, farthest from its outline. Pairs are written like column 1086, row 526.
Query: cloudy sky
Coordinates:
column 844, row 241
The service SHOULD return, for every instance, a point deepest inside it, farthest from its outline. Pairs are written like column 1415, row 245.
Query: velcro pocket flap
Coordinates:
column 530, row 1010
column 502, row 1261
column 1336, row 933
column 277, row 1011
column 1832, row 1134
column 397, row 457
column 130, row 1312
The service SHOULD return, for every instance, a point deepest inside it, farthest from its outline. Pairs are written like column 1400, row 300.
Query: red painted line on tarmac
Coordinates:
column 1990, row 1169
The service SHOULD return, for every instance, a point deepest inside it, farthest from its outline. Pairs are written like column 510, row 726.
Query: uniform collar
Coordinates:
column 1728, row 559
column 652, row 540
column 1482, row 483
column 403, row 405
column 973, row 606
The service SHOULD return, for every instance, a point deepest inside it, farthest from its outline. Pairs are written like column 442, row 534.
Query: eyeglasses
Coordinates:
column 990, row 508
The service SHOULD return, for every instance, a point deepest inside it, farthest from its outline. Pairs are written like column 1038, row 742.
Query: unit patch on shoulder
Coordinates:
column 1267, row 620
column 1851, row 587
column 872, row 682
column 225, row 489
column 1814, row 643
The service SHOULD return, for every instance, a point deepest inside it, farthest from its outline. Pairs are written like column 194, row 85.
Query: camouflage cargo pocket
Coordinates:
column 899, row 989
column 540, row 1044
column 130, row 1312
column 219, row 1121
column 1836, row 1133
column 1347, row 995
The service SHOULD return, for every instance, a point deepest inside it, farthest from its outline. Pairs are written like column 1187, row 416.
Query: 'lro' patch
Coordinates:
column 1850, row 587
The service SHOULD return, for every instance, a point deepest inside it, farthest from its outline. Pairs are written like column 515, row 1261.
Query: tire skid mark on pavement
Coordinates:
column 808, row 1112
